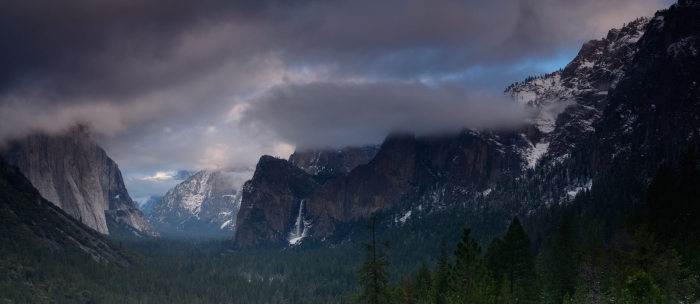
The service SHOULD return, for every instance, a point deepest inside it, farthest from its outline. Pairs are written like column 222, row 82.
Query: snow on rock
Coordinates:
column 658, row 22
column 545, row 95
column 199, row 189
column 576, row 189
column 404, row 218
column 536, row 153
column 525, row 97
column 295, row 240
column 684, row 46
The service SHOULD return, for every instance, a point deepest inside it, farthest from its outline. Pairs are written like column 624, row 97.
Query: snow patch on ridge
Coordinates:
column 538, row 150
column 575, row 190
column 404, row 218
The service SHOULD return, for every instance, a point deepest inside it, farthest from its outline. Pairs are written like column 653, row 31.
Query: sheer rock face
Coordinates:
column 271, row 201
column 463, row 164
column 332, row 163
column 37, row 222
column 206, row 203
column 75, row 174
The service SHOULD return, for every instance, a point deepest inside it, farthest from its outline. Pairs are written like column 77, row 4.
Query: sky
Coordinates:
column 168, row 85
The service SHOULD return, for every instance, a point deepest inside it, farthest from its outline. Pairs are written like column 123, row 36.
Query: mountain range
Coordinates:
column 630, row 95
column 626, row 96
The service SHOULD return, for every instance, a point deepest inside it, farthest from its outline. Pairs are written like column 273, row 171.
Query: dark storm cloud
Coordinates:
column 133, row 69
column 120, row 49
column 113, row 65
column 80, row 47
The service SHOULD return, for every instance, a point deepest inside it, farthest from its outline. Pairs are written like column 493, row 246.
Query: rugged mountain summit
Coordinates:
column 75, row 174
column 206, row 203
column 332, row 163
column 571, row 101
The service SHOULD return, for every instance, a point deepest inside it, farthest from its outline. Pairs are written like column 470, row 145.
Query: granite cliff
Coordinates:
column 75, row 174
column 31, row 221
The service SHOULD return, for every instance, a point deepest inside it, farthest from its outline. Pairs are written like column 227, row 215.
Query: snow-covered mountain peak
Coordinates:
column 206, row 202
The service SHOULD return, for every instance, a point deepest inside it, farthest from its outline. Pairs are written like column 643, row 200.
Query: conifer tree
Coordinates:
column 495, row 261
column 409, row 292
column 470, row 281
column 373, row 276
column 591, row 265
column 424, row 284
column 518, row 261
column 506, row 295
column 564, row 269
column 443, row 264
column 641, row 289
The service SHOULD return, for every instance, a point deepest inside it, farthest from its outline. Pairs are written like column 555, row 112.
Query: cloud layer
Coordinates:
column 323, row 114
column 190, row 84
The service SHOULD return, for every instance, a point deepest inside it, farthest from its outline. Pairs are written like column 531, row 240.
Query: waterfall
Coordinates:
column 299, row 224
column 298, row 231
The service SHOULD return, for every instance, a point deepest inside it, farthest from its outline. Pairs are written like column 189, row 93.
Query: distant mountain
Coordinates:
column 205, row 204
column 31, row 222
column 630, row 97
column 146, row 203
column 75, row 174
